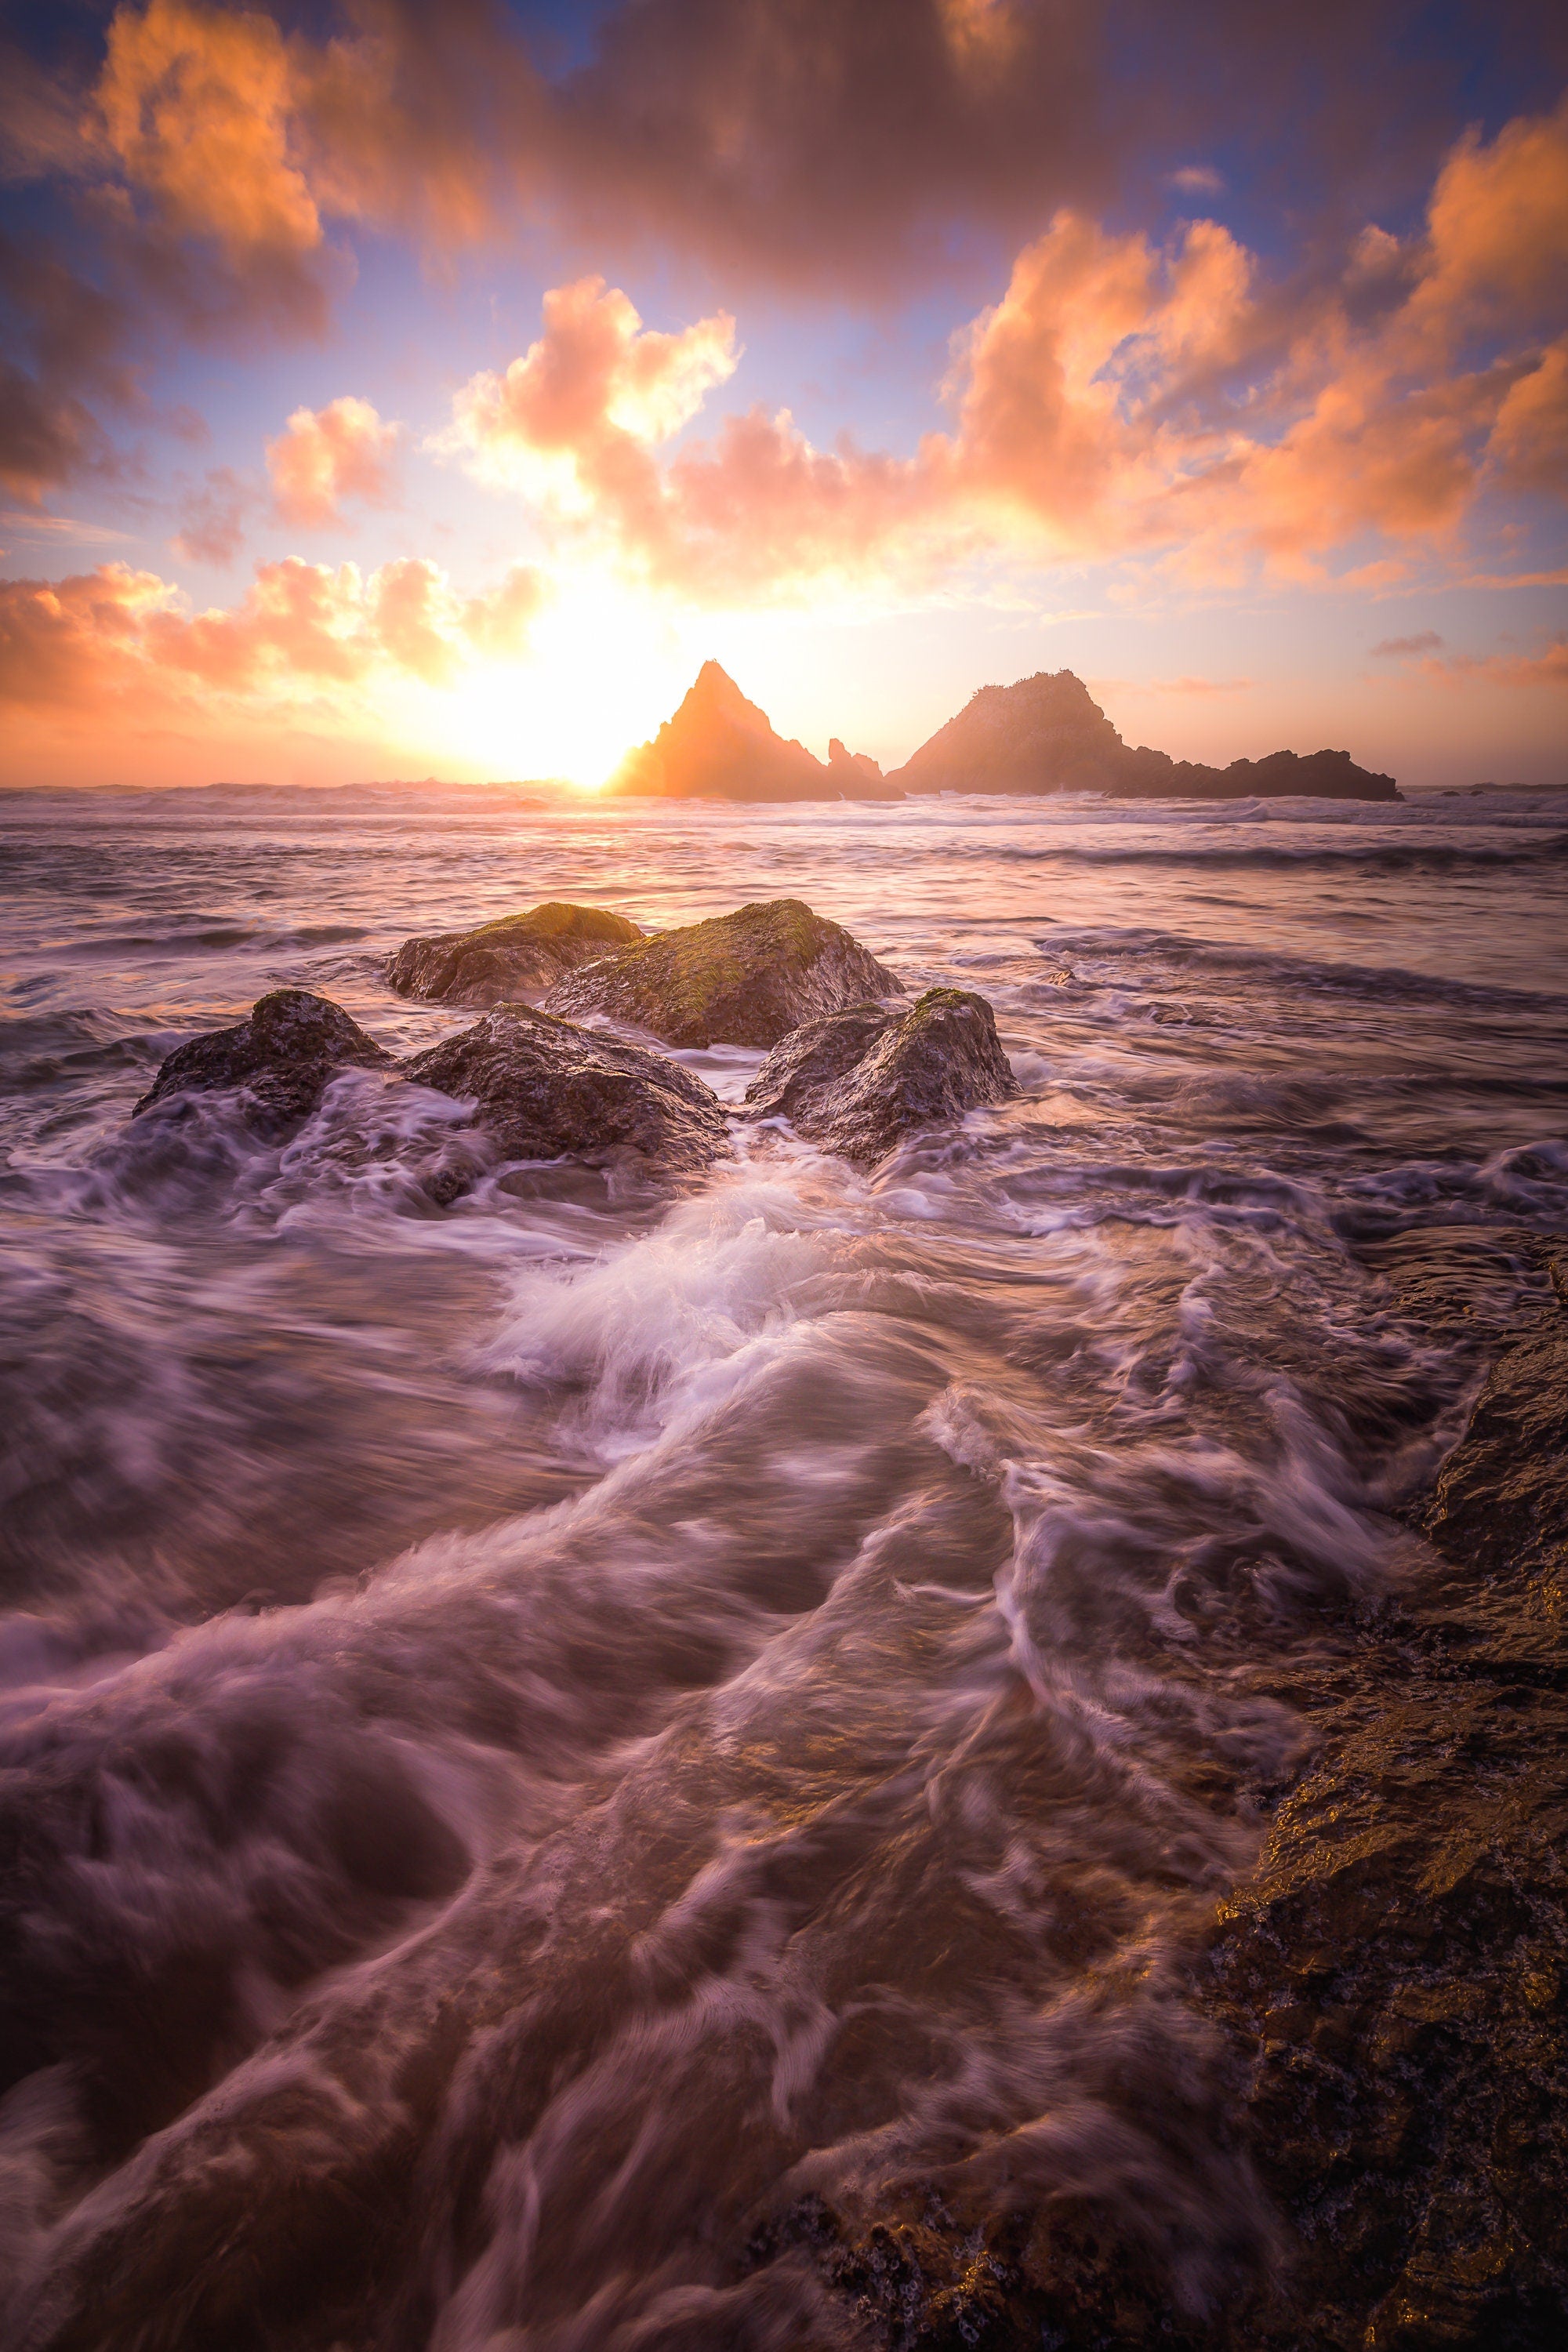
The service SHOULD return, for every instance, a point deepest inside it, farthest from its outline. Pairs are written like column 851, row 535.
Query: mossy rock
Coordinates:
column 744, row 979
column 507, row 958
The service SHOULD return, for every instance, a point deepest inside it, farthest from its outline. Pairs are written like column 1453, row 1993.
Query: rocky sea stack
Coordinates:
column 746, row 978
column 718, row 746
column 509, row 957
column 1048, row 734
column 279, row 1059
column 860, row 1081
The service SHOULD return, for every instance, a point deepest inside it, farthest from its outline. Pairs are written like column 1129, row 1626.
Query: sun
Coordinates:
column 603, row 667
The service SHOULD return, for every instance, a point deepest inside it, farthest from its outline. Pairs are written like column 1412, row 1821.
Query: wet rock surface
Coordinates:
column 544, row 1089
column 497, row 960
column 861, row 1080
column 1391, row 1984
column 744, row 979
column 282, row 1057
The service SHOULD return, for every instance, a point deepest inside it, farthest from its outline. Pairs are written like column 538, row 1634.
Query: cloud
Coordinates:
column 1198, row 180
column 570, row 422
column 1122, row 397
column 1425, row 641
column 120, row 644
column 195, row 104
column 1528, row 442
column 1549, row 668
column 213, row 519
column 328, row 455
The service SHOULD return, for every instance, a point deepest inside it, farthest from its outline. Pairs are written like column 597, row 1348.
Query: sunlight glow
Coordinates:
column 602, row 668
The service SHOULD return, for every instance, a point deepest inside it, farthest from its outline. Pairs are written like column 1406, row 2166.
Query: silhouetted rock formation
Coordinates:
column 545, row 1089
column 718, row 746
column 860, row 1081
column 502, row 959
column 851, row 771
column 746, row 978
column 280, row 1058
column 1048, row 734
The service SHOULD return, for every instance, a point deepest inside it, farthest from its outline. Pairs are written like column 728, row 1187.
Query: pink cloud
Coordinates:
column 328, row 455
column 1122, row 397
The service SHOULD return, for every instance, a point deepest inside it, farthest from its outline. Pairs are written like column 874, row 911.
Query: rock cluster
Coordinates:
column 860, row 1081
column 847, row 1071
column 746, row 978
column 507, row 958
column 279, row 1059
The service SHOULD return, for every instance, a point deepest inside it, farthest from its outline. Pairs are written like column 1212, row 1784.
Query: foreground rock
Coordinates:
column 508, row 958
column 281, row 1057
column 746, row 978
column 718, row 746
column 545, row 1089
column 860, row 1081
column 1397, row 1966
column 1390, row 1982
column 1048, row 734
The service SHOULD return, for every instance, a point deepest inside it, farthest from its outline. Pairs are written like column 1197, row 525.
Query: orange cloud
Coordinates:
column 119, row 642
column 1528, row 442
column 1548, row 669
column 196, row 104
column 328, row 455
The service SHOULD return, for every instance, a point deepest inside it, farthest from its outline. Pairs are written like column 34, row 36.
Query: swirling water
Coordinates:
column 536, row 1738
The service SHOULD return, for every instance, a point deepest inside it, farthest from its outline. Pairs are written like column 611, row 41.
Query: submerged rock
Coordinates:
column 546, row 1090
column 746, row 978
column 860, row 1080
column 497, row 960
column 281, row 1058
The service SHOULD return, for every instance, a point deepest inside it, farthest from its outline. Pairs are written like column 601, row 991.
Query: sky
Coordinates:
column 393, row 389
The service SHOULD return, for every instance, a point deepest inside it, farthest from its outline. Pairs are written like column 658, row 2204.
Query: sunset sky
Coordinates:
column 392, row 389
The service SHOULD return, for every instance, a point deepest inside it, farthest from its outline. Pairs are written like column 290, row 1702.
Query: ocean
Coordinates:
column 566, row 1758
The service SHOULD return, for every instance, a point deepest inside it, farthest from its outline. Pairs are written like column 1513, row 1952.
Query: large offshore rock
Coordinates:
column 718, row 746
column 746, row 978
column 546, row 1090
column 1048, row 734
column 860, row 1081
column 281, row 1057
column 507, row 958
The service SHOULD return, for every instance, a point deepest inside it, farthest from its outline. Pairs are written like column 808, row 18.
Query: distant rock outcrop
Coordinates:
column 718, row 746
column 281, row 1059
column 502, row 959
column 860, row 1081
column 1048, row 734
column 746, row 978
column 546, row 1090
